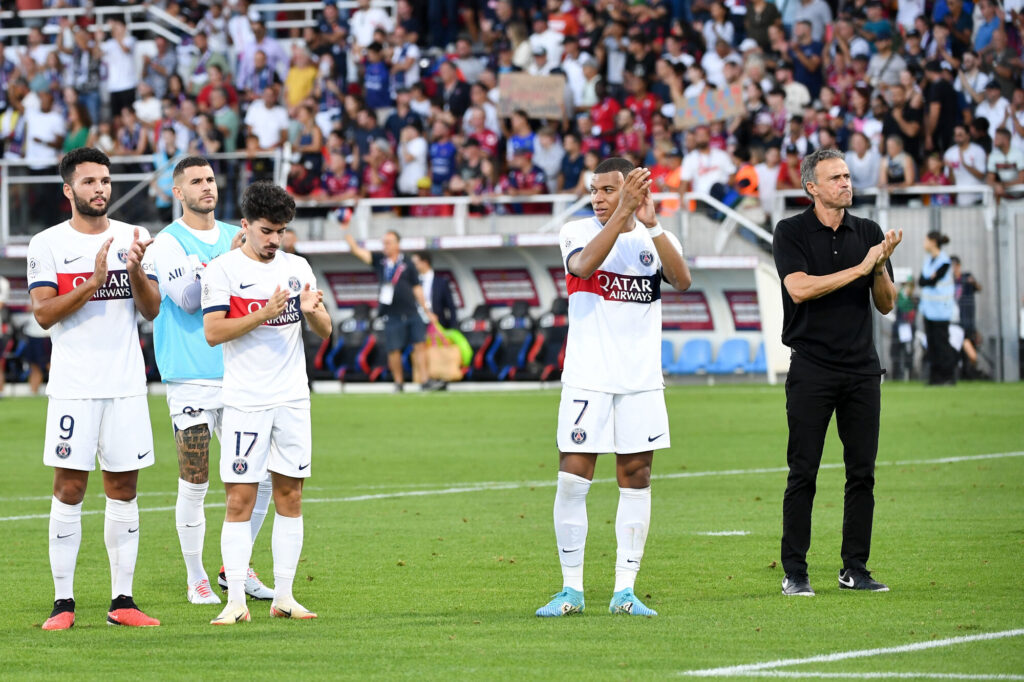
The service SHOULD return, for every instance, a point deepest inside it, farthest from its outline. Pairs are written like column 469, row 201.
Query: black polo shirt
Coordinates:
column 403, row 277
column 834, row 331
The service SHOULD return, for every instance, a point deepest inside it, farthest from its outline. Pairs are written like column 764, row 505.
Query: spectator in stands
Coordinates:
column 224, row 118
column 404, row 57
column 706, row 169
column 1005, row 166
column 760, row 15
column 258, row 79
column 251, row 70
column 148, row 106
column 308, row 139
column 971, row 80
column 904, row 118
column 442, row 156
column 978, row 130
column 524, row 179
column 379, row 172
column 161, row 186
column 412, row 158
column 540, row 65
column 268, row 121
column 629, row 139
column 548, row 153
column 897, row 169
column 817, row 13
column 216, row 81
column 797, row 96
column 1003, row 62
column 966, row 163
column 298, row 84
column 768, row 179
column 44, row 134
column 365, row 20
column 119, row 62
column 376, row 78
column 796, row 135
column 935, row 175
column 156, row 69
column 453, row 94
column 86, row 59
column 207, row 139
column 942, row 109
column 79, row 128
column 885, row 65
column 568, row 177
column 366, row 131
column 521, row 134
column 339, row 182
column 937, row 304
column 864, row 164
column 994, row 108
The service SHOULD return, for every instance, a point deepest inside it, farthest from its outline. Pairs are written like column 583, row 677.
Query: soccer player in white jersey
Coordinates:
column 613, row 390
column 87, row 280
column 192, row 369
column 254, row 299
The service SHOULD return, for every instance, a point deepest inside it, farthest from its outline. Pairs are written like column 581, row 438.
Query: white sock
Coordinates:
column 631, row 523
column 571, row 526
column 286, row 544
column 191, row 523
column 121, row 535
column 259, row 511
column 235, row 549
column 65, row 539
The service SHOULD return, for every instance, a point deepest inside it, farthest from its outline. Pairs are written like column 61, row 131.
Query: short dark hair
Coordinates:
column 189, row 162
column 73, row 159
column 267, row 201
column 425, row 257
column 616, row 163
column 398, row 237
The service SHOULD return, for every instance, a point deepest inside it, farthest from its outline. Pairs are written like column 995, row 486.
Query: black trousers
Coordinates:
column 941, row 356
column 812, row 395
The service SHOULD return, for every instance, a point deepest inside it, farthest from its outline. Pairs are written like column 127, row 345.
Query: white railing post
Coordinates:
column 5, row 202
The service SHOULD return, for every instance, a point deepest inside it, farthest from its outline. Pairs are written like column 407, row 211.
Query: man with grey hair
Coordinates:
column 833, row 266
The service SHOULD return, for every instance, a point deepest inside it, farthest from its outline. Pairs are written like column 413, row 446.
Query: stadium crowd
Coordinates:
column 379, row 105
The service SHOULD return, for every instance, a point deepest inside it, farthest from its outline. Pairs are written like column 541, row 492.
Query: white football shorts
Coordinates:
column 194, row 404
column 279, row 439
column 623, row 423
column 115, row 429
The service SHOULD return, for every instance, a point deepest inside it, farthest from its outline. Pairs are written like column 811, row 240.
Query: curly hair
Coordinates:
column 76, row 157
column 267, row 201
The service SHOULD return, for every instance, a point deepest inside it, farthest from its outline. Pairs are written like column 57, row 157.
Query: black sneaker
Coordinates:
column 797, row 586
column 850, row 579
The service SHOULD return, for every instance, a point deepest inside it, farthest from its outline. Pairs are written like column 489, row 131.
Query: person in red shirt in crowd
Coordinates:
column 379, row 173
column 216, row 81
column 339, row 182
column 424, row 189
column 603, row 113
column 789, row 174
column 628, row 138
column 524, row 179
column 563, row 22
column 485, row 137
column 643, row 104
column 589, row 142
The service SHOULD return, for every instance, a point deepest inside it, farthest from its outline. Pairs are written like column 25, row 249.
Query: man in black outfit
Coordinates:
column 401, row 302
column 833, row 266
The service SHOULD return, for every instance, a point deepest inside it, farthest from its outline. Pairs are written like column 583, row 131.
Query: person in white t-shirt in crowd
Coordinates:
column 994, row 108
column 768, row 178
column 863, row 161
column 119, row 60
column 612, row 386
column 87, row 281
column 1005, row 165
column 412, row 158
column 45, row 128
column 268, row 120
column 365, row 20
column 965, row 162
column 254, row 300
column 706, row 169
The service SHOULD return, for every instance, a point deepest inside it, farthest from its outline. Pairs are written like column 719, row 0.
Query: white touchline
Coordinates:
column 723, row 533
column 789, row 675
column 741, row 670
column 546, row 483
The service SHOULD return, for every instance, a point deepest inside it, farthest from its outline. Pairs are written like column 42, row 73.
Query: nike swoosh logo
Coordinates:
column 70, row 260
column 239, row 617
column 569, row 551
column 61, row 537
column 133, row 530
column 651, row 439
column 630, row 561
column 287, row 613
column 304, row 466
column 192, row 525
column 246, row 286
column 845, row 583
column 143, row 455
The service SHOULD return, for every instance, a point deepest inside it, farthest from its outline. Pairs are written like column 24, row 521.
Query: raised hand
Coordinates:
column 646, row 213
column 889, row 244
column 870, row 261
column 275, row 304
column 136, row 252
column 238, row 240
column 99, row 273
column 310, row 299
column 635, row 190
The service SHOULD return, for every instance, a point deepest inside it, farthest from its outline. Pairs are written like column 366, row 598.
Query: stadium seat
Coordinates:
column 373, row 359
column 733, row 357
column 667, row 353
column 512, row 342
column 760, row 364
column 547, row 355
column 355, row 341
column 694, row 358
column 479, row 332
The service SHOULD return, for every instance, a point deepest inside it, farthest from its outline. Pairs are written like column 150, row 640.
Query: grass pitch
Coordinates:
column 429, row 545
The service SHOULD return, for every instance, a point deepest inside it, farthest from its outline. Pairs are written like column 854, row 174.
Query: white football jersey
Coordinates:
column 96, row 351
column 614, row 343
column 266, row 367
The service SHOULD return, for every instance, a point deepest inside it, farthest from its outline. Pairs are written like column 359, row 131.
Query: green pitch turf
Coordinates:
column 429, row 545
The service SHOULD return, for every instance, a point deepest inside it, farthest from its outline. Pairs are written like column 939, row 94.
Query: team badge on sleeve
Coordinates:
column 646, row 257
column 293, row 284
column 33, row 266
column 63, row 450
column 579, row 436
column 240, row 466
column 122, row 255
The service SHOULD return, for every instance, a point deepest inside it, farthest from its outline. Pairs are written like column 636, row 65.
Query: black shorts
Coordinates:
column 401, row 330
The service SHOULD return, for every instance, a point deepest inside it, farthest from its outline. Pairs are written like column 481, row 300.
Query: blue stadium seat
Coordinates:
column 733, row 357
column 668, row 352
column 694, row 358
column 760, row 364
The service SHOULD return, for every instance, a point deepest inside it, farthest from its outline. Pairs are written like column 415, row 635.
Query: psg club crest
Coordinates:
column 63, row 450
column 293, row 284
column 122, row 255
column 646, row 257
column 240, row 466
column 579, row 436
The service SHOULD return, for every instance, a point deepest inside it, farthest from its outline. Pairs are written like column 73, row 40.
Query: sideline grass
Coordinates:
column 444, row 585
